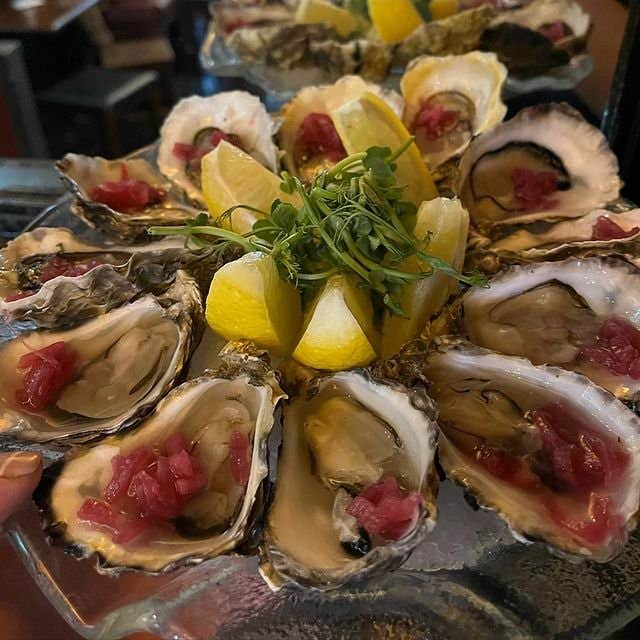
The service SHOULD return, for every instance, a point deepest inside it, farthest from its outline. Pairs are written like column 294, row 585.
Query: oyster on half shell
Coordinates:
column 507, row 429
column 121, row 197
column 347, row 435
column 209, row 415
column 105, row 374
column 545, row 163
column 580, row 314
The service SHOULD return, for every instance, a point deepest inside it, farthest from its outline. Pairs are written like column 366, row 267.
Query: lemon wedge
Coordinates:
column 324, row 12
column 394, row 20
column 448, row 223
column 249, row 300
column 231, row 177
column 443, row 8
column 338, row 330
column 369, row 122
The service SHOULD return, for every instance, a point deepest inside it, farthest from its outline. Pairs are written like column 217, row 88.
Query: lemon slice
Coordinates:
column 323, row 12
column 248, row 300
column 338, row 330
column 231, row 177
column 443, row 8
column 448, row 222
column 370, row 122
column 394, row 20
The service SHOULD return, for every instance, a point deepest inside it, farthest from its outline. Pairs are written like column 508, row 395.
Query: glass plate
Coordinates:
column 468, row 578
column 279, row 86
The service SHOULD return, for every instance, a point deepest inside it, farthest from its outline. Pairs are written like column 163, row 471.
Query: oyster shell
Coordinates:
column 468, row 87
column 545, row 163
column 238, row 116
column 322, row 101
column 499, row 416
column 563, row 313
column 240, row 397
column 345, row 432
column 105, row 374
column 84, row 175
column 538, row 37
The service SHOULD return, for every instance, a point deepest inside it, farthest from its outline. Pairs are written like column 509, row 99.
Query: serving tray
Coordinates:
column 469, row 578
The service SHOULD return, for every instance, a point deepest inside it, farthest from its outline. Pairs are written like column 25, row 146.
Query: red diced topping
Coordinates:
column 532, row 188
column 239, row 457
column 606, row 229
column 317, row 137
column 48, row 371
column 193, row 154
column 553, row 31
column 617, row 348
column 58, row 266
column 124, row 468
column 507, row 467
column 20, row 295
column 435, row 120
column 175, row 444
column 579, row 458
column 237, row 24
column 183, row 151
column 102, row 515
column 127, row 195
column 385, row 510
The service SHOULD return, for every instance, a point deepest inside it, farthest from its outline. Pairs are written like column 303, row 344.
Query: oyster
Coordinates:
column 545, row 163
column 196, row 125
column 308, row 136
column 350, row 435
column 228, row 17
column 538, row 37
column 451, row 99
column 580, row 314
column 121, row 197
column 103, row 375
column 185, row 486
column 556, row 456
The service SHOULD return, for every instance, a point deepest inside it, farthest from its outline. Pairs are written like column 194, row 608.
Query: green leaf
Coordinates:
column 284, row 215
column 201, row 220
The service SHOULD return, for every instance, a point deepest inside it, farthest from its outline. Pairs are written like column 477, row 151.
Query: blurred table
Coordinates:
column 52, row 16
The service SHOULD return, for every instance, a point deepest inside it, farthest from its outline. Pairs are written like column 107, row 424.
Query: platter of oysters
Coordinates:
column 543, row 43
column 288, row 339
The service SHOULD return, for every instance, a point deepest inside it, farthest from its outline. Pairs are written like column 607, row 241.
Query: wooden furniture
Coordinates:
column 107, row 95
column 52, row 16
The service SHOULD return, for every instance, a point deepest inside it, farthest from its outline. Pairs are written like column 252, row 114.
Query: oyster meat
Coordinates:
column 580, row 314
column 451, row 99
column 121, row 197
column 96, row 378
column 538, row 37
column 185, row 486
column 352, row 445
column 556, row 456
column 308, row 136
column 196, row 125
column 545, row 163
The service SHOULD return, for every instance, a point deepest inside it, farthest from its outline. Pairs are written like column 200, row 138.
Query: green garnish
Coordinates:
column 352, row 219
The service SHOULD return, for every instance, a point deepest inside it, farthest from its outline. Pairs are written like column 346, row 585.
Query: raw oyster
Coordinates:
column 308, row 137
column 121, row 197
column 451, row 99
column 459, row 33
column 204, row 453
column 538, row 37
column 556, row 456
column 580, row 314
column 349, row 434
column 545, row 163
column 96, row 378
column 196, row 125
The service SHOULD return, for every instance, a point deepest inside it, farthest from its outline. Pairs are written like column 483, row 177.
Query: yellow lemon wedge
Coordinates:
column 370, row 122
column 324, row 12
column 249, row 300
column 338, row 330
column 231, row 177
column 448, row 223
column 443, row 8
column 394, row 20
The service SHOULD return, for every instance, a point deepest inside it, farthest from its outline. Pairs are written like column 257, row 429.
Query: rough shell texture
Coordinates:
column 82, row 173
column 300, row 542
column 183, row 410
column 537, row 386
column 233, row 112
column 560, row 130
